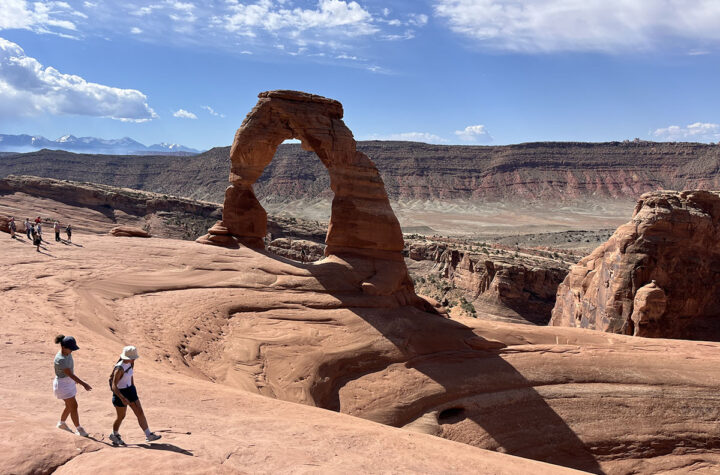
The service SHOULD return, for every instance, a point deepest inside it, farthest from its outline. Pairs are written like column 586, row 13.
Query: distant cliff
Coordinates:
column 532, row 171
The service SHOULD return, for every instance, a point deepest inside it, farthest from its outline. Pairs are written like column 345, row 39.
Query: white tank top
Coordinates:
column 126, row 379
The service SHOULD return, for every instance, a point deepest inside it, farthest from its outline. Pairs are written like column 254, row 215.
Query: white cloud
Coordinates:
column 582, row 25
column 697, row 132
column 308, row 28
column 212, row 111
column 184, row 11
column 418, row 20
column 474, row 133
column 183, row 114
column 28, row 88
column 411, row 137
column 38, row 16
column 347, row 18
column 144, row 11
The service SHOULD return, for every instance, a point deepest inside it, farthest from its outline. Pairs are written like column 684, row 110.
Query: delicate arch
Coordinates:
column 362, row 221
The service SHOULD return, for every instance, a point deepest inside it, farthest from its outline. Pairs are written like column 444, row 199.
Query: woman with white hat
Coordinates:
column 64, row 384
column 122, row 384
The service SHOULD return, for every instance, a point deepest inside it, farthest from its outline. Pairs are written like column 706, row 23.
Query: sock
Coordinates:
column 115, row 433
column 147, row 432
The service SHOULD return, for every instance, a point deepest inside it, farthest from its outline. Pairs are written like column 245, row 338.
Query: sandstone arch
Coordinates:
column 362, row 223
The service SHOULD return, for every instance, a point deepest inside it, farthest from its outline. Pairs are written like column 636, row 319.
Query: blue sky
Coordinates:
column 439, row 71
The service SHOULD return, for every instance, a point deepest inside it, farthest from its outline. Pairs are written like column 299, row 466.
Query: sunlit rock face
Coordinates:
column 657, row 276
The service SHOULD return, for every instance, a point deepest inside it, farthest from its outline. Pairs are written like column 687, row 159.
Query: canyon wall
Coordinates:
column 657, row 276
column 410, row 170
column 504, row 286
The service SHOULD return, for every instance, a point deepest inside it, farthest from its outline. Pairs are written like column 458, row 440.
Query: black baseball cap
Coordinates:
column 69, row 343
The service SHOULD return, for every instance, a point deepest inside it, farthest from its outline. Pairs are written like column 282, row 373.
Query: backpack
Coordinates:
column 112, row 375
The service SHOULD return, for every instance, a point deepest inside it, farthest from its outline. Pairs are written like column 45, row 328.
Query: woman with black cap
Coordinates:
column 64, row 383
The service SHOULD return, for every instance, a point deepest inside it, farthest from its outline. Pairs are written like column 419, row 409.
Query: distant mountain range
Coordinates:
column 70, row 143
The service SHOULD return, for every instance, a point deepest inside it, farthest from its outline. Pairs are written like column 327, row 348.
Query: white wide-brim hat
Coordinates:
column 129, row 353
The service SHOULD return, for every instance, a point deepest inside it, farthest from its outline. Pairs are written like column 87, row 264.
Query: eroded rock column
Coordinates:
column 657, row 276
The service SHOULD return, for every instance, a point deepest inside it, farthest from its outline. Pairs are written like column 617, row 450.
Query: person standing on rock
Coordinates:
column 28, row 228
column 122, row 383
column 36, row 240
column 38, row 228
column 56, row 228
column 12, row 227
column 64, row 385
column 68, row 230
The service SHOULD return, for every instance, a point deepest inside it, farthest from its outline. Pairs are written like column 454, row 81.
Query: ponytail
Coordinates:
column 59, row 338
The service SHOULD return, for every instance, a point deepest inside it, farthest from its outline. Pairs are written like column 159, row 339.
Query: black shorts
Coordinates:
column 130, row 394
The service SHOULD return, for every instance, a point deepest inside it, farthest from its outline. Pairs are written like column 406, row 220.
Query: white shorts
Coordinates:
column 64, row 388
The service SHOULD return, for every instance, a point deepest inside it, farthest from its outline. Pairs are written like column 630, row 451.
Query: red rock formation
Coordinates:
column 129, row 231
column 297, row 249
column 519, row 288
column 362, row 222
column 657, row 276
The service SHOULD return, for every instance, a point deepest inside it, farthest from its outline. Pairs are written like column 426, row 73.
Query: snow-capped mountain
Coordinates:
column 123, row 146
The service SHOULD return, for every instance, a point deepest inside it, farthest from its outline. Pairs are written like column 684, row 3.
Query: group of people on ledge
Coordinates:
column 122, row 385
column 34, row 230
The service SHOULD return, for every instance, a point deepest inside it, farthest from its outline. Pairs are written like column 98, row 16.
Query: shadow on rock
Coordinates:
column 437, row 368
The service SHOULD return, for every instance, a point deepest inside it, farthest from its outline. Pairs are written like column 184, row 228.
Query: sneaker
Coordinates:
column 81, row 432
column 152, row 437
column 63, row 425
column 116, row 440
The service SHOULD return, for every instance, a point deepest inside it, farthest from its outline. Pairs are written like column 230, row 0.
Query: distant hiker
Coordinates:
column 27, row 228
column 122, row 384
column 36, row 240
column 12, row 227
column 37, row 220
column 68, row 230
column 302, row 254
column 38, row 228
column 64, row 384
column 56, row 227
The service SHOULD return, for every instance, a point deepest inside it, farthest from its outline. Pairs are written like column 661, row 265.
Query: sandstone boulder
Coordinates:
column 657, row 276
column 129, row 231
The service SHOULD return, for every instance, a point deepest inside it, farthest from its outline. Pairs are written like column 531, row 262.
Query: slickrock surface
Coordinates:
column 219, row 328
column 657, row 276
column 511, row 287
column 209, row 424
column 362, row 222
column 94, row 208
column 100, row 208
